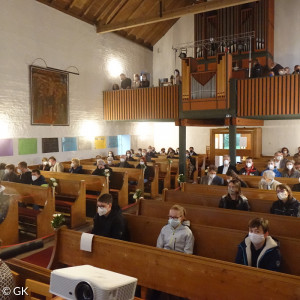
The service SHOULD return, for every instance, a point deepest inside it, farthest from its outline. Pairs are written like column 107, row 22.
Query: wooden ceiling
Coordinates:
column 142, row 21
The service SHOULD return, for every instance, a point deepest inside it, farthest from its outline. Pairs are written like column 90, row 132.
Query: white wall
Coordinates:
column 286, row 33
column 29, row 30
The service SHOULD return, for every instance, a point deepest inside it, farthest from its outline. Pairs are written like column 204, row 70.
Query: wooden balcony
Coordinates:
column 268, row 96
column 141, row 104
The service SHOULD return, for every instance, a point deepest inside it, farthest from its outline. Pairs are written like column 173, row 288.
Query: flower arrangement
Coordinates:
column 143, row 167
column 181, row 178
column 106, row 172
column 137, row 194
column 57, row 221
column 170, row 161
column 52, row 182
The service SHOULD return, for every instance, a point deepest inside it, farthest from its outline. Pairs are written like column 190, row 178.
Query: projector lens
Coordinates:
column 83, row 291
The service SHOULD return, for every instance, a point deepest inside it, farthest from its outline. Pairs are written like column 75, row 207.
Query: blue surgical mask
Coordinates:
column 173, row 222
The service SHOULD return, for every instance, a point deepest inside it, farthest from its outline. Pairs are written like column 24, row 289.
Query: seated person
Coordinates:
column 145, row 82
column 9, row 174
column 170, row 149
column 45, row 164
column 97, row 157
column 285, row 151
column 191, row 165
column 297, row 155
column 123, row 163
column 139, row 153
column 125, row 82
column 55, row 166
column 163, row 151
column 177, row 151
column 176, row 235
column 211, row 178
column 109, row 221
column 297, row 165
column 275, row 67
column 192, row 152
column 25, row 173
column 234, row 199
column 268, row 182
column 110, row 161
column 272, row 167
column 259, row 249
column 76, row 168
column 154, row 152
column 4, row 204
column 129, row 156
column 111, row 154
column 2, row 170
column 37, row 178
column 256, row 70
column 289, row 171
column 279, row 160
column 136, row 81
column 249, row 168
column 150, row 152
column 102, row 168
column 296, row 69
column 286, row 204
column 146, row 155
column 172, row 155
column 143, row 165
column 231, row 175
column 226, row 166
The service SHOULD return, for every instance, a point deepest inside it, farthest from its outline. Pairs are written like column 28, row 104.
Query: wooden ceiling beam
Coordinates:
column 243, row 122
column 172, row 14
column 87, row 8
column 200, row 123
column 116, row 10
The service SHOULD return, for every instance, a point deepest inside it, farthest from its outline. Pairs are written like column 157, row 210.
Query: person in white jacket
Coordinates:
column 176, row 235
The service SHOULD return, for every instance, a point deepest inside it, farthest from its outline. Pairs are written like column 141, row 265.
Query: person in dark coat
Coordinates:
column 257, row 69
column 37, row 178
column 231, row 175
column 234, row 198
column 226, row 166
column 25, row 173
column 249, row 168
column 9, row 174
column 211, row 178
column 102, row 168
column 147, row 172
column 286, row 204
column 125, row 82
column 259, row 249
column 109, row 221
column 275, row 67
column 129, row 156
column 192, row 152
column 123, row 163
column 76, row 168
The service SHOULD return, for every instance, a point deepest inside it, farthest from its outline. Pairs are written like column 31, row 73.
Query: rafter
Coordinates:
column 173, row 14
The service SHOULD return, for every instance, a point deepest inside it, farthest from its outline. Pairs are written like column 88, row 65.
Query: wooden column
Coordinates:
column 232, row 143
column 182, row 149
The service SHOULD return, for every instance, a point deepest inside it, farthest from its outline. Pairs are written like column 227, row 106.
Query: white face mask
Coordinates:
column 128, row 154
column 72, row 165
column 226, row 162
column 45, row 163
column 142, row 163
column 279, row 157
column 144, row 154
column 2, row 188
column 19, row 171
column 102, row 211
column 173, row 222
column 290, row 167
column 248, row 165
column 212, row 176
column 6, row 171
column 34, row 177
column 109, row 154
column 282, row 195
column 255, row 238
column 271, row 166
column 122, row 159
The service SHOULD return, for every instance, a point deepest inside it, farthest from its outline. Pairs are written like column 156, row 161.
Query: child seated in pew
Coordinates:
column 176, row 235
column 76, row 168
column 109, row 221
column 102, row 169
column 286, row 204
column 234, row 199
column 259, row 249
column 268, row 181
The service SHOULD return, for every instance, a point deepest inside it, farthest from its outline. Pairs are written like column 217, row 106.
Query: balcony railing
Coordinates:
column 268, row 96
column 141, row 104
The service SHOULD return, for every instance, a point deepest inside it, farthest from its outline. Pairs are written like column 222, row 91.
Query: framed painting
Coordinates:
column 49, row 94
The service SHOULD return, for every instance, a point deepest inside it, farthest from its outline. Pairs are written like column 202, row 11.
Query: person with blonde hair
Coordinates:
column 76, row 168
column 44, row 166
column 176, row 235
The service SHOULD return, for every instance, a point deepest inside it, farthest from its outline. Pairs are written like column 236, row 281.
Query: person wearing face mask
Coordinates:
column 123, row 163
column 139, row 153
column 37, row 178
column 101, row 168
column 109, row 221
column 279, row 160
column 211, row 178
column 249, row 168
column 25, row 173
column 129, row 156
column 285, row 151
column 226, row 166
column 45, row 164
column 76, row 168
column 176, row 235
column 9, row 174
column 286, row 204
column 290, row 171
column 146, row 155
column 147, row 172
column 111, row 154
column 2, row 170
column 259, row 249
column 268, row 182
column 234, row 198
column 272, row 167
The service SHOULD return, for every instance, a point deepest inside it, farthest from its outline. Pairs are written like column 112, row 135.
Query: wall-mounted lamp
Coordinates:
column 183, row 53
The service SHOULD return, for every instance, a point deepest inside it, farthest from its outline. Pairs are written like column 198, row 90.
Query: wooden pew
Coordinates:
column 30, row 194
column 70, row 199
column 9, row 228
column 158, row 269
column 119, row 185
column 219, row 217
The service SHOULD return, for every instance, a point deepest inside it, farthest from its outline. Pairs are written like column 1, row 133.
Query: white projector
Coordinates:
column 91, row 283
